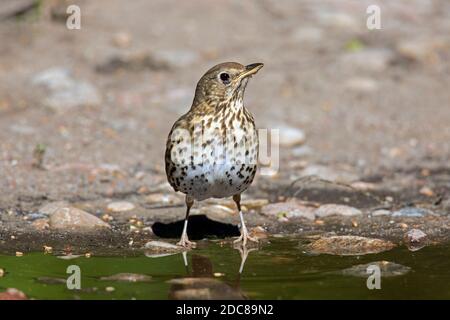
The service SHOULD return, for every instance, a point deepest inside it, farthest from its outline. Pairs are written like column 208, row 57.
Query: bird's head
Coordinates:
column 224, row 82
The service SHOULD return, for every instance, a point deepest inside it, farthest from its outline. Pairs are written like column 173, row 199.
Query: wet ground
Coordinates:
column 212, row 271
column 84, row 116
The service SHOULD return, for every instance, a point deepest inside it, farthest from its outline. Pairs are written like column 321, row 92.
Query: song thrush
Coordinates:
column 212, row 150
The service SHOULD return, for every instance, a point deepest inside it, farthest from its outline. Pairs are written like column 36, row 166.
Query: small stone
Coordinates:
column 372, row 60
column 416, row 236
column 73, row 219
column 337, row 19
column 411, row 212
column 12, row 294
column 122, row 39
column 164, row 199
column 415, row 239
column 51, row 207
column 41, row 224
column 128, row 277
column 426, row 50
column 107, row 218
column 388, row 269
column 363, row 186
column 64, row 92
column 427, row 191
column 47, row 249
column 380, row 212
column 258, row 233
column 336, row 209
column 120, row 206
column 349, row 245
column 160, row 245
column 307, row 35
column 403, row 225
column 177, row 58
column 363, row 85
column 290, row 137
column 19, row 254
column 288, row 209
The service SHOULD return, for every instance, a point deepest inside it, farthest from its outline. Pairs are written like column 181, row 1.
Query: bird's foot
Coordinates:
column 245, row 237
column 185, row 243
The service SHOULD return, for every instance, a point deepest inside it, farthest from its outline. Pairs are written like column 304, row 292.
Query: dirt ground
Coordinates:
column 374, row 106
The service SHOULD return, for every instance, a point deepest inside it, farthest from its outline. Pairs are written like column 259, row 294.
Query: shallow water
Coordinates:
column 280, row 269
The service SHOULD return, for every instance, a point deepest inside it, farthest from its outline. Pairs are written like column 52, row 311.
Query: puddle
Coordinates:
column 278, row 270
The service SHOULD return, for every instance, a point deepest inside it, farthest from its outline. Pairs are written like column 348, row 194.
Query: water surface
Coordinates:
column 280, row 269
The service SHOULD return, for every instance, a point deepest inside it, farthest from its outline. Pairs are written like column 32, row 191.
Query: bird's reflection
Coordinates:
column 200, row 282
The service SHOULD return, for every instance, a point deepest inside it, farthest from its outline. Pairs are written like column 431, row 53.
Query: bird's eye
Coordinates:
column 225, row 78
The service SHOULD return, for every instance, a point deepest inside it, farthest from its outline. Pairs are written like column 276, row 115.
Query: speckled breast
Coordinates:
column 216, row 158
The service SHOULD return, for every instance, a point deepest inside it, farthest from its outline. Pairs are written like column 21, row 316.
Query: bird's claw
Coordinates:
column 244, row 237
column 185, row 243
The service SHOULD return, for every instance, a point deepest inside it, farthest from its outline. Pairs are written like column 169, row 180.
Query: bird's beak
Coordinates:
column 250, row 70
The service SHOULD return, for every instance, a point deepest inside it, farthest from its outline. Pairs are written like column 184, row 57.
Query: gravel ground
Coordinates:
column 84, row 114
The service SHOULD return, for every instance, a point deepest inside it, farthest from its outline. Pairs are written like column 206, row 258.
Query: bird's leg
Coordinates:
column 244, row 232
column 184, row 241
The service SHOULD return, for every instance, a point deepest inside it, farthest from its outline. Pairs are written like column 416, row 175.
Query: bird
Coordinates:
column 212, row 150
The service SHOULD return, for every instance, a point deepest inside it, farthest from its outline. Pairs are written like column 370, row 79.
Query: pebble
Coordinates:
column 64, row 92
column 421, row 50
column 160, row 245
column 41, row 224
column 372, row 60
column 121, row 39
column 336, row 209
column 290, row 137
column 338, row 20
column 259, row 233
column 415, row 239
column 73, row 219
column 387, row 268
column 415, row 236
column 120, row 206
column 363, row 186
column 217, row 211
column 349, row 245
column 51, row 207
column 363, row 85
column 128, row 277
column 47, row 249
column 164, row 199
column 288, row 209
column 426, row 191
column 411, row 212
column 12, row 294
column 307, row 34
column 177, row 58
